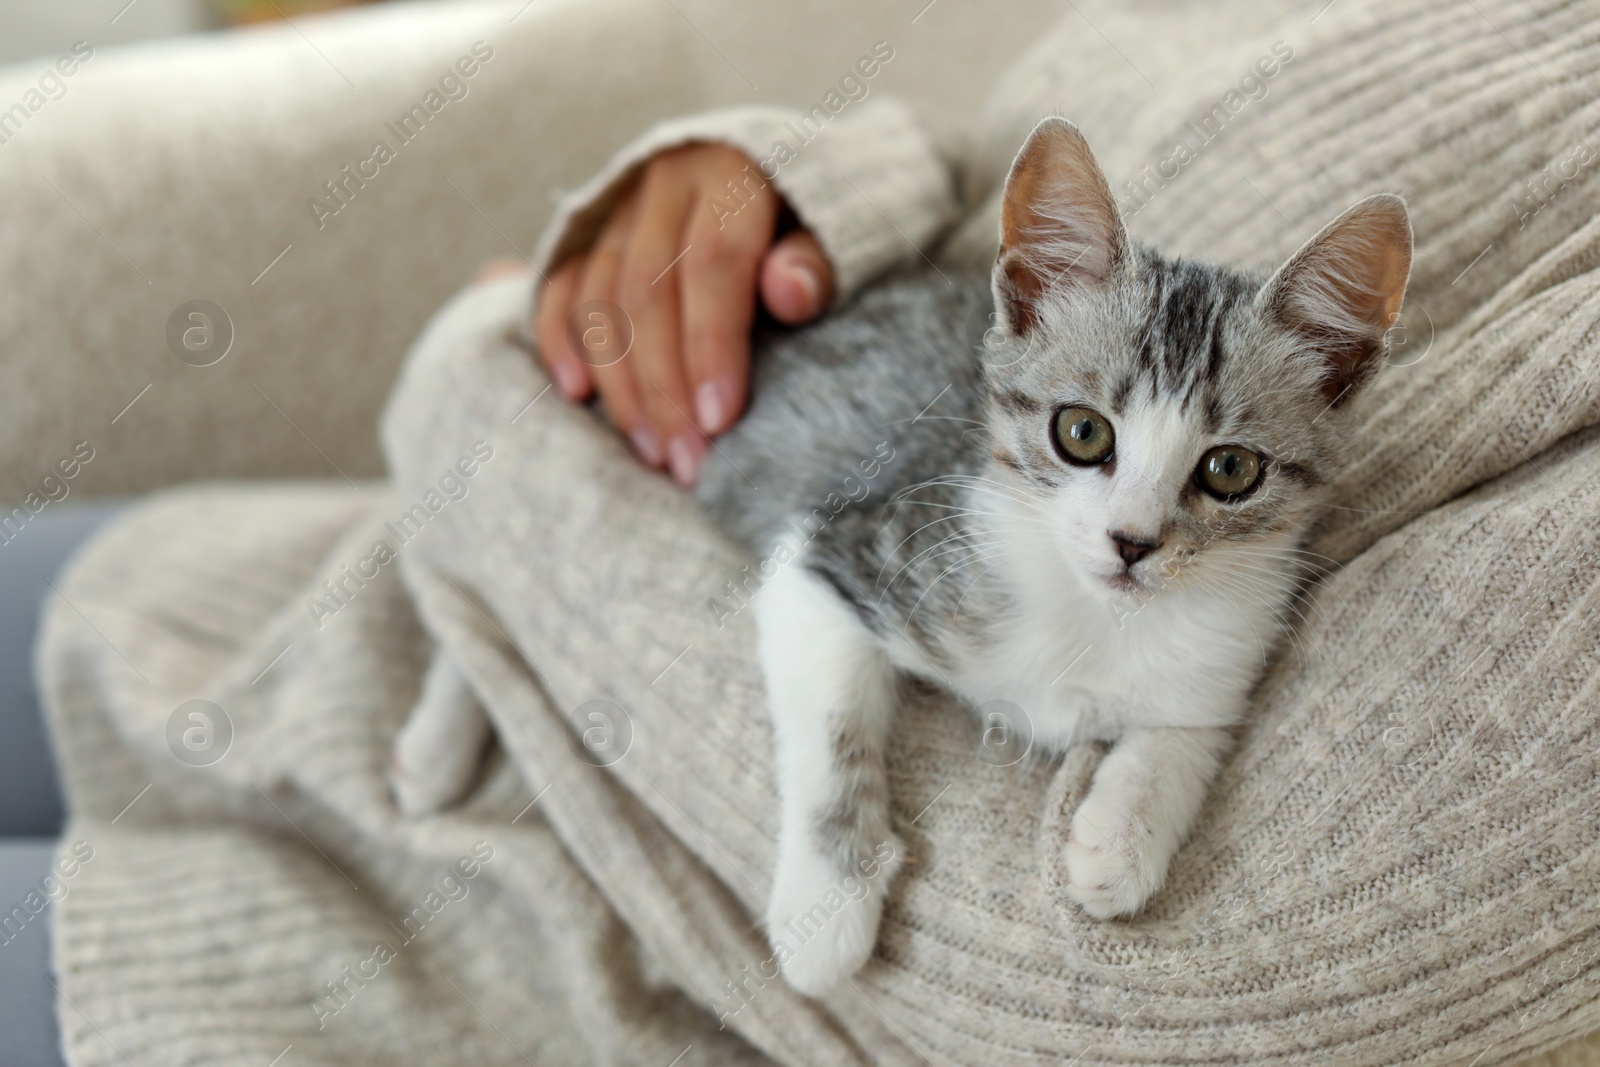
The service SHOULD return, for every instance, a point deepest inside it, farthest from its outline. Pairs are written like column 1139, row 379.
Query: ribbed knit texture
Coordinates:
column 1397, row 867
column 869, row 217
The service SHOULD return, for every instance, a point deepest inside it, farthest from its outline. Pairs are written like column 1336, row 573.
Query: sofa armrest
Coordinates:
column 160, row 175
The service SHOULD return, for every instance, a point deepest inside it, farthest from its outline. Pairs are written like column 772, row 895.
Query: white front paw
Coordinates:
column 1114, row 863
column 822, row 924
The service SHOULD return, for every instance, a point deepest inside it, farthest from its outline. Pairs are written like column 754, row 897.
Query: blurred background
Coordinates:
column 33, row 28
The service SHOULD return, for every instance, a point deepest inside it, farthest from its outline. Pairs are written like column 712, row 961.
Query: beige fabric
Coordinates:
column 1397, row 866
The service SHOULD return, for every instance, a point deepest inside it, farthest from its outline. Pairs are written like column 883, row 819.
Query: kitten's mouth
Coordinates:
column 1147, row 577
column 1124, row 581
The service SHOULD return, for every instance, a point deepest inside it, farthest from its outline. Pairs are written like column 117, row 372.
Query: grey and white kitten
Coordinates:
column 1093, row 523
column 1089, row 527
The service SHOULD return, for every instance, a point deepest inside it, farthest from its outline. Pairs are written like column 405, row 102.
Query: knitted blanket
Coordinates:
column 1397, row 866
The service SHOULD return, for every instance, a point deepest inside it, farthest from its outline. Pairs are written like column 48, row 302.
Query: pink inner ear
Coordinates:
column 1023, row 289
column 1345, row 287
column 1059, row 225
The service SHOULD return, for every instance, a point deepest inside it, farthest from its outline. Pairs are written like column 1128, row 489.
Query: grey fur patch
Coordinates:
column 856, row 818
column 891, row 375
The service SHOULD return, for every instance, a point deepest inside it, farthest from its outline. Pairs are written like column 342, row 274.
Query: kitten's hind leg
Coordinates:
column 1145, row 797
column 831, row 689
column 439, row 750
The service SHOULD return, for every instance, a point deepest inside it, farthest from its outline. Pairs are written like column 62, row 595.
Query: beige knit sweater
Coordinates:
column 1398, row 866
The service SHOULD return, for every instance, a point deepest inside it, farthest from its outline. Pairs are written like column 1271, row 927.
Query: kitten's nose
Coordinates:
column 1131, row 547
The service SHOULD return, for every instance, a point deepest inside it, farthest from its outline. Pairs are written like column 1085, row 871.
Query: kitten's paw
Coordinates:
column 439, row 750
column 837, row 948
column 425, row 784
column 1113, row 864
column 823, row 923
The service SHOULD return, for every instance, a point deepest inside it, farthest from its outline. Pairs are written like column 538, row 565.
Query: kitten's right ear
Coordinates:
column 1059, row 225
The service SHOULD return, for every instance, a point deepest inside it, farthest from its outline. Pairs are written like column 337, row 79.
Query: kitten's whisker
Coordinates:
column 1282, row 550
column 949, row 507
column 890, row 584
column 1255, row 630
column 1262, row 572
column 1302, row 556
column 1302, row 592
column 932, row 553
column 985, row 480
column 996, row 526
column 948, row 571
column 963, row 598
column 973, row 483
column 1374, row 511
column 974, row 547
column 970, row 512
column 1301, row 641
column 1261, row 583
column 933, row 418
column 908, row 490
column 890, row 554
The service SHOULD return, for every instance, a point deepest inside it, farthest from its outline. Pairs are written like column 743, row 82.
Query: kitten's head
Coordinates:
column 1174, row 420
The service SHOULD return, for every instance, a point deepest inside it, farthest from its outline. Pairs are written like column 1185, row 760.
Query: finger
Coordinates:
column 796, row 279
column 550, row 327
column 649, row 291
column 500, row 268
column 606, row 343
column 717, row 282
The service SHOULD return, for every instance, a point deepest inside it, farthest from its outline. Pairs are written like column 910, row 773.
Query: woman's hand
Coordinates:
column 683, row 259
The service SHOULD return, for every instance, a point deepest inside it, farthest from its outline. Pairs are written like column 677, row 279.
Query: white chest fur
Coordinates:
column 1089, row 664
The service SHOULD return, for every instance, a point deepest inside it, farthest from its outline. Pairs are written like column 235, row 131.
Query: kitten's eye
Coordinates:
column 1228, row 472
column 1083, row 436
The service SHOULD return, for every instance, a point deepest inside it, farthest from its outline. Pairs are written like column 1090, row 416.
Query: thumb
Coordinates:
column 796, row 279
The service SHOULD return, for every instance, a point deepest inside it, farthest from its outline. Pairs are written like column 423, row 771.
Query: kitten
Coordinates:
column 1093, row 524
column 1089, row 527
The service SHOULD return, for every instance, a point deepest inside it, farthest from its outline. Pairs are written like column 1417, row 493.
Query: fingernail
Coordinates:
column 711, row 404
column 684, row 459
column 569, row 379
column 647, row 445
column 810, row 283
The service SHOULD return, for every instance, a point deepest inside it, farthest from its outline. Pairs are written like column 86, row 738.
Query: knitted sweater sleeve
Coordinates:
column 866, row 181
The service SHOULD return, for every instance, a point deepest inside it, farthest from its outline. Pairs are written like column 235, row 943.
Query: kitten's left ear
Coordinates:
column 1059, row 225
column 1343, row 289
